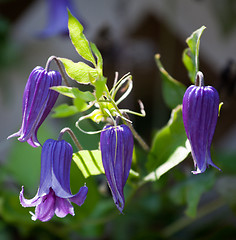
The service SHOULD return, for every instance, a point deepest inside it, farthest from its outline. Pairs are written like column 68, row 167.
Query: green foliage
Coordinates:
column 99, row 58
column 80, row 72
column 89, row 162
column 100, row 85
column 64, row 110
column 169, row 147
column 79, row 40
column 73, row 92
column 190, row 191
column 172, row 90
column 191, row 54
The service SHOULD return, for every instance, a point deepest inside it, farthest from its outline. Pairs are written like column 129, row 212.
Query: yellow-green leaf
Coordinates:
column 89, row 162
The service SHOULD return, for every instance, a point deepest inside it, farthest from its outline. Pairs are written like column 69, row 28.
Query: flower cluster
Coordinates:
column 200, row 112
column 54, row 195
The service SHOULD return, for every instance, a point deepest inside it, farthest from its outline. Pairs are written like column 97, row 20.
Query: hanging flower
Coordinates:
column 54, row 195
column 38, row 100
column 117, row 147
column 200, row 113
column 58, row 18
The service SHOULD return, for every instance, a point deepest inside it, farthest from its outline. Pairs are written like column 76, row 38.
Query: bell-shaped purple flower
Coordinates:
column 38, row 100
column 200, row 113
column 116, row 144
column 54, row 194
column 58, row 18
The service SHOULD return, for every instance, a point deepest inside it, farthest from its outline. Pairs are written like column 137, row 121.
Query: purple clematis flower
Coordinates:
column 54, row 194
column 58, row 18
column 38, row 100
column 117, row 148
column 200, row 113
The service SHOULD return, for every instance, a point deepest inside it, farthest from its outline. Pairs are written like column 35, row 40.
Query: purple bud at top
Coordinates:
column 200, row 113
column 54, row 195
column 38, row 100
column 58, row 18
column 116, row 144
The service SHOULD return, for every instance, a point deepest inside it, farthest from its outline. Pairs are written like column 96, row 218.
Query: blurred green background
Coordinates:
column 128, row 34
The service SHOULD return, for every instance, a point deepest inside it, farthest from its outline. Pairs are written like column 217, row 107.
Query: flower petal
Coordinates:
column 29, row 202
column 63, row 207
column 45, row 210
column 80, row 197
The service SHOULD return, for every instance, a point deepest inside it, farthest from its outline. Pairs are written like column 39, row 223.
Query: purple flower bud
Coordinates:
column 54, row 194
column 117, row 148
column 38, row 100
column 200, row 113
column 58, row 18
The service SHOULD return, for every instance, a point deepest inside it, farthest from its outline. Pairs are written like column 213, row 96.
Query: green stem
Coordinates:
column 136, row 135
column 59, row 66
column 72, row 135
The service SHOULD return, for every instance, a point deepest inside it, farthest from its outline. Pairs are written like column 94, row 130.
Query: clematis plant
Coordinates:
column 101, row 105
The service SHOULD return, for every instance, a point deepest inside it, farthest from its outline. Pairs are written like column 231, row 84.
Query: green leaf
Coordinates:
column 172, row 90
column 98, row 56
column 169, row 148
column 73, row 92
column 79, row 40
column 100, row 86
column 191, row 190
column 64, row 110
column 191, row 54
column 80, row 71
column 96, row 116
column 89, row 162
column 81, row 105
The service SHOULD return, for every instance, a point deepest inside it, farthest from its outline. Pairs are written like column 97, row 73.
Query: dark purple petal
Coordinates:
column 38, row 100
column 46, row 167
column 63, row 207
column 200, row 113
column 62, row 156
column 80, row 197
column 55, row 168
column 117, row 148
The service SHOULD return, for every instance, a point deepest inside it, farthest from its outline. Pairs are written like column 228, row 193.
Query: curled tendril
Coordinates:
column 109, row 112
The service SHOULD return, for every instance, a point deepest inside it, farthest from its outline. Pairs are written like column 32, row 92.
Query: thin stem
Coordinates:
column 72, row 135
column 59, row 66
column 136, row 135
column 142, row 143
column 199, row 81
